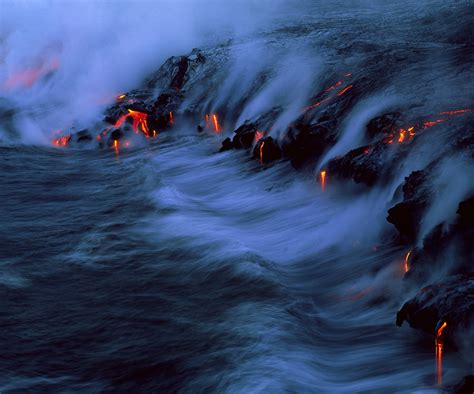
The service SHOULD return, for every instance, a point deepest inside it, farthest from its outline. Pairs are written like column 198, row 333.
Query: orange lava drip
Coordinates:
column 322, row 176
column 216, row 123
column 261, row 152
column 116, row 147
column 407, row 257
column 439, row 354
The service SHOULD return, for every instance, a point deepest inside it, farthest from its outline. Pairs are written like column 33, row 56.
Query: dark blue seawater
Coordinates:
column 175, row 269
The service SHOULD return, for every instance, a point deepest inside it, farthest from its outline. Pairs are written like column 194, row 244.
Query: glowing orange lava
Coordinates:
column 121, row 97
column 62, row 141
column 322, row 176
column 261, row 152
column 407, row 134
column 116, row 147
column 258, row 135
column 216, row 123
column 407, row 257
column 337, row 84
column 439, row 354
column 139, row 119
column 344, row 90
column 331, row 96
column 171, row 118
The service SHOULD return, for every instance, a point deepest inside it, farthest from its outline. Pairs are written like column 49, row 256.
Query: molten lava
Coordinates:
column 327, row 92
column 62, row 141
column 139, row 120
column 344, row 90
column 116, row 147
column 171, row 118
column 258, row 135
column 407, row 257
column 322, row 176
column 121, row 97
column 216, row 123
column 261, row 151
column 439, row 354
column 407, row 134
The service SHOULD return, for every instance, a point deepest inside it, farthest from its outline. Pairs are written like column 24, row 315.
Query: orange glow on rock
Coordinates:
column 139, row 120
column 121, row 97
column 258, row 135
column 261, row 152
column 322, row 177
column 171, row 118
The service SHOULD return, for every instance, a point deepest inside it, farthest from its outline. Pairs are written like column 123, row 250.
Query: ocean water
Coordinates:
column 171, row 268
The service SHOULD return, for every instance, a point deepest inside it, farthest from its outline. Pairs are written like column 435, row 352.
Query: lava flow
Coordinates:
column 139, row 119
column 439, row 353
column 322, row 176
column 407, row 134
column 258, row 135
column 330, row 89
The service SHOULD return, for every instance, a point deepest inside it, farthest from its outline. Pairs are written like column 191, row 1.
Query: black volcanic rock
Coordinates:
column 383, row 124
column 226, row 145
column 305, row 143
column 366, row 164
column 406, row 215
column 465, row 386
column 244, row 136
column 449, row 301
column 83, row 136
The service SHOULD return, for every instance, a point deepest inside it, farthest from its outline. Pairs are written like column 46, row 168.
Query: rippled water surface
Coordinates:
column 173, row 268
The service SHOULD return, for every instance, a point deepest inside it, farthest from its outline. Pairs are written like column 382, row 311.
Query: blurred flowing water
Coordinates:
column 174, row 269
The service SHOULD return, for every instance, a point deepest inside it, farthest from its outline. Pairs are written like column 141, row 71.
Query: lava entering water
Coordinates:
column 139, row 119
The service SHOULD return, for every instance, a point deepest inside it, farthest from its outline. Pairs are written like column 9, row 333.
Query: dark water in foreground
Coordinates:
column 173, row 269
